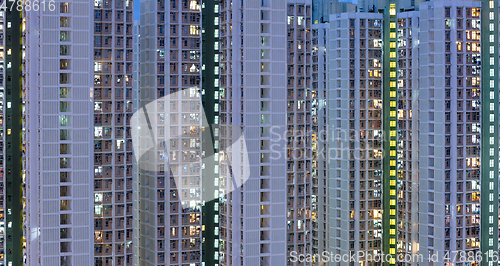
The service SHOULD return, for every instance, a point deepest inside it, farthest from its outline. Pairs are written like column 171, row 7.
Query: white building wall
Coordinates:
column 251, row 89
column 355, row 140
column 338, row 119
column 446, row 209
column 145, row 221
column 59, row 117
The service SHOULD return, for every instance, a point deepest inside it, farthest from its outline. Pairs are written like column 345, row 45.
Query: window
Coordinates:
column 64, row 120
column 64, row 8
column 64, row 92
column 64, row 78
column 64, row 21
column 65, row 36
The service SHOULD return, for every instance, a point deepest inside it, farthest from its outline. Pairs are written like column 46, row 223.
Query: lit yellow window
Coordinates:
column 193, row 30
column 392, row 10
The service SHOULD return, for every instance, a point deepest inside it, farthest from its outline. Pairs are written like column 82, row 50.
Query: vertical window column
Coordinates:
column 489, row 119
column 389, row 127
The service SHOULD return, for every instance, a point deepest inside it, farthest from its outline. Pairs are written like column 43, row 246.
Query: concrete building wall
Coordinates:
column 59, row 135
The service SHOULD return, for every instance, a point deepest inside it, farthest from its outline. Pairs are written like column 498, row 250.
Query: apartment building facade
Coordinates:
column 436, row 143
column 373, row 133
column 113, row 109
column 459, row 148
column 78, row 192
column 407, row 154
column 320, row 137
column 182, row 227
column 253, row 101
column 12, row 198
column 356, row 119
column 58, row 124
column 171, row 149
column 299, row 128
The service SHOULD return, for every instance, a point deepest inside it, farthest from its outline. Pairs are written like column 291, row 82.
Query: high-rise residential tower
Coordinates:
column 169, row 153
column 438, row 67
column 320, row 136
column 253, row 96
column 299, row 128
column 11, row 134
column 258, row 135
column 355, row 116
column 113, row 108
column 78, row 99
column 58, row 124
column 407, row 115
column 373, row 133
column 459, row 131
